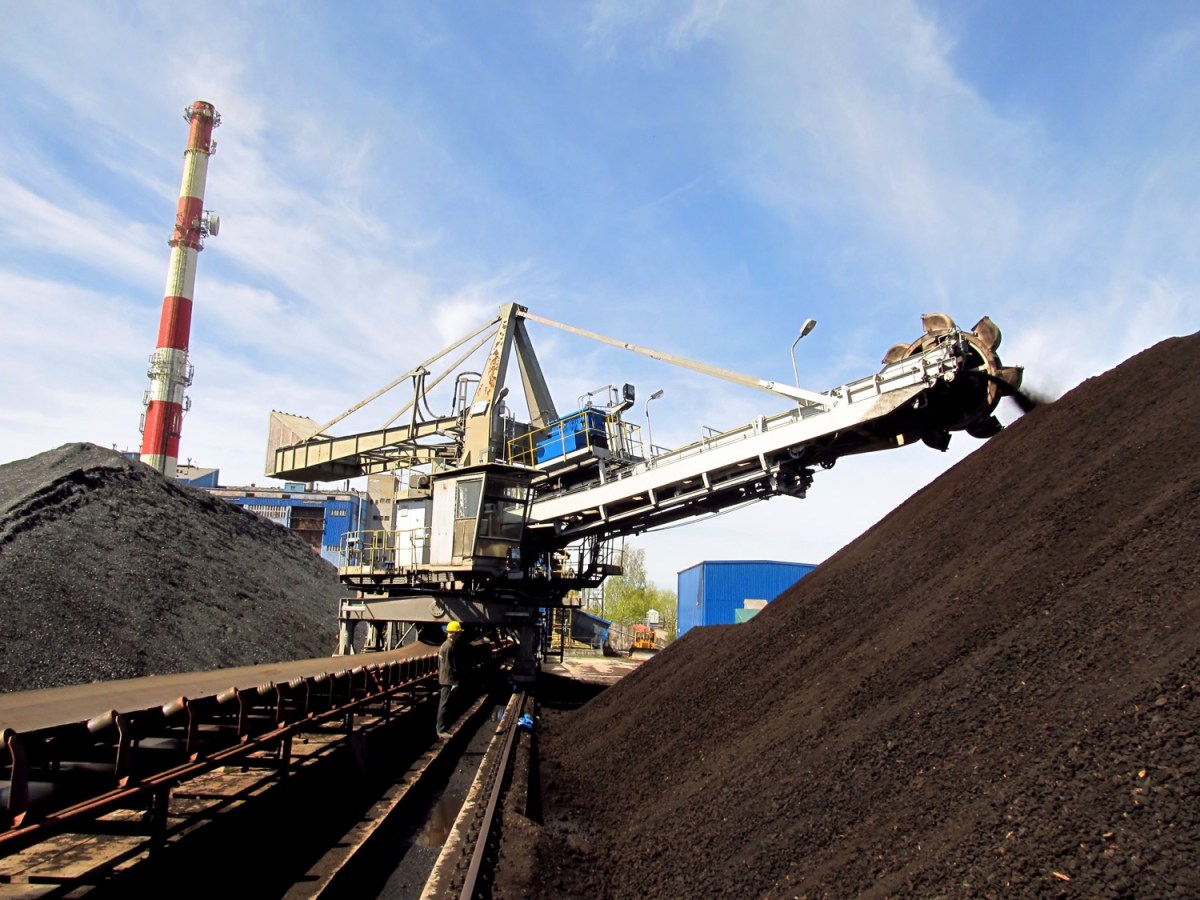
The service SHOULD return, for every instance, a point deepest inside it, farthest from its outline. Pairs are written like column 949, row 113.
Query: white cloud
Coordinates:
column 88, row 232
column 696, row 22
column 72, row 367
column 867, row 122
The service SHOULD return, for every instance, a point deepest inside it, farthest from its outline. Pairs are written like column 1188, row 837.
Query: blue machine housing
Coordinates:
column 580, row 430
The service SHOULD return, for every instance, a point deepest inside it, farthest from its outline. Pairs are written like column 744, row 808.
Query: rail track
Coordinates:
column 467, row 861
column 298, row 791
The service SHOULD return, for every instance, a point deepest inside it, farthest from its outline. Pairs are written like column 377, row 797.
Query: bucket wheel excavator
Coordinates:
column 503, row 519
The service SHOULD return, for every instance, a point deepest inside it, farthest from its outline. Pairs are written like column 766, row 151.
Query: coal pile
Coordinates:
column 108, row 570
column 991, row 693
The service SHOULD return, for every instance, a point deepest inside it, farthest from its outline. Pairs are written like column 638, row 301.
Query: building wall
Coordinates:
column 341, row 516
column 197, row 477
column 689, row 599
column 321, row 518
column 382, row 489
column 711, row 592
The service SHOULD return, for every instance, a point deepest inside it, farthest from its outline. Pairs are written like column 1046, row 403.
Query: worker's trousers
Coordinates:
column 443, row 713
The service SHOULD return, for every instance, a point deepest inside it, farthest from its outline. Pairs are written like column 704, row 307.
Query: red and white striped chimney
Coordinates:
column 170, row 372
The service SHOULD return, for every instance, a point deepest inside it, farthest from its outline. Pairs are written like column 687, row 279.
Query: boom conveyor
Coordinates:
column 507, row 518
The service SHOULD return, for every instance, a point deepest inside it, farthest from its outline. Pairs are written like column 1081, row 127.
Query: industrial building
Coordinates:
column 723, row 592
column 191, row 475
column 322, row 518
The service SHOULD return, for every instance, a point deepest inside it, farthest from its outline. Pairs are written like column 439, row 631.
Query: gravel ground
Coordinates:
column 991, row 693
column 108, row 570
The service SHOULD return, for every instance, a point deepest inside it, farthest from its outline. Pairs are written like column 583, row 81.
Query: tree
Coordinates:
column 629, row 597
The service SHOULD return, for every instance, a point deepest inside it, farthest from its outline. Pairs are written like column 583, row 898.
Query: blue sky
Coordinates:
column 694, row 177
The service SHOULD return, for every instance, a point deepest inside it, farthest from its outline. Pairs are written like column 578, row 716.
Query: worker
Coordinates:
column 447, row 675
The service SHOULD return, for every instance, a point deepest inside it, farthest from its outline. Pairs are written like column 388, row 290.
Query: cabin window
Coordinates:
column 467, row 499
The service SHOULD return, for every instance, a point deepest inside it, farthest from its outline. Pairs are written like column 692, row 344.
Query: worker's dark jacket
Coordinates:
column 447, row 664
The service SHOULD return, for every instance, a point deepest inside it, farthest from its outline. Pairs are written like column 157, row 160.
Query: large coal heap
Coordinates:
column 108, row 570
column 991, row 693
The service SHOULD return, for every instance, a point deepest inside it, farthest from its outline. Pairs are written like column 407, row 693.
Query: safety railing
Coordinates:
column 384, row 550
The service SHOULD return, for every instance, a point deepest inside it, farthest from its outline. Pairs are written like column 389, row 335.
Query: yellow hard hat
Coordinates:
column 453, row 627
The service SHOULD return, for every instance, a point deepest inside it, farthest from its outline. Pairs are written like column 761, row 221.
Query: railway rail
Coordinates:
column 467, row 860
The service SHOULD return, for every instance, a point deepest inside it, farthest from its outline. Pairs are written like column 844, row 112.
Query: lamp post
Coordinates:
column 809, row 325
column 649, row 435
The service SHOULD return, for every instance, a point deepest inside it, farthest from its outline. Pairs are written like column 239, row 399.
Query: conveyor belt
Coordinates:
column 73, row 754
column 37, row 710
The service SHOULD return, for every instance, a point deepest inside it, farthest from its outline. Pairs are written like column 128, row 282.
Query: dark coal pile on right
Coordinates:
column 991, row 693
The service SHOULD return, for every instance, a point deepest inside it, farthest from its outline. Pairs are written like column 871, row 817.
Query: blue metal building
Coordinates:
column 711, row 592
column 322, row 518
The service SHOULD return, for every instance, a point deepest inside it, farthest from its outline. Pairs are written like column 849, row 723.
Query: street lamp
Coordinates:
column 809, row 325
column 649, row 436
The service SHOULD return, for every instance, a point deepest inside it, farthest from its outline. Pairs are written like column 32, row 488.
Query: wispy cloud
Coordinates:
column 87, row 232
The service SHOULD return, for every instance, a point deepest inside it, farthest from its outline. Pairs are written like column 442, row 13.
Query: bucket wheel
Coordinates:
column 967, row 402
